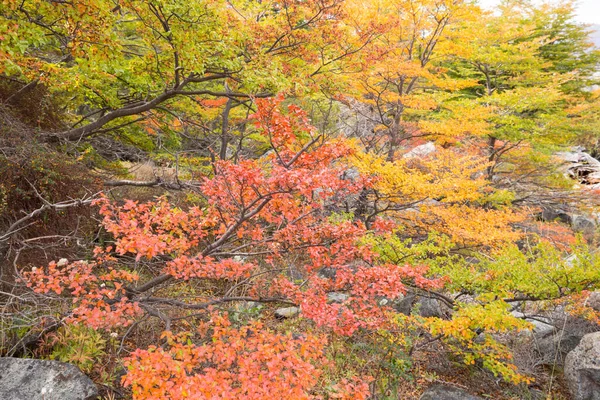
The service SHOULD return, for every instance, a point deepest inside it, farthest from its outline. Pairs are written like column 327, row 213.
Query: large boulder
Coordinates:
column 28, row 379
column 582, row 368
column 337, row 297
column 446, row 392
column 540, row 326
column 420, row 151
column 554, row 334
column 351, row 174
column 586, row 224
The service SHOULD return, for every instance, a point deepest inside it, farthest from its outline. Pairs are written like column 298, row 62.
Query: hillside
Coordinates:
column 298, row 200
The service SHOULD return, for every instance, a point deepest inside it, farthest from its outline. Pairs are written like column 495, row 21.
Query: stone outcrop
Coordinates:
column 582, row 368
column 29, row 379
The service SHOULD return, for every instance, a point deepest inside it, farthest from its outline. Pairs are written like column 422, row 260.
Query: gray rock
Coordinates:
column 287, row 312
column 63, row 262
column 390, row 302
column 551, row 215
column 571, row 156
column 327, row 272
column 472, row 260
column 421, row 151
column 554, row 334
column 541, row 326
column 554, row 347
column 582, row 368
column 337, row 297
column 581, row 166
column 593, row 301
column 581, row 223
column 405, row 305
column 424, row 306
column 28, row 379
column 433, row 308
column 446, row 392
column 351, row 174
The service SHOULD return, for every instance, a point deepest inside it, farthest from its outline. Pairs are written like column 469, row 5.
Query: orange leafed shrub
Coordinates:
column 247, row 363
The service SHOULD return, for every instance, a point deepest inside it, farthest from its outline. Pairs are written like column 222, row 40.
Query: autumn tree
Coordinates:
column 569, row 51
column 399, row 78
column 163, row 83
column 567, row 46
column 520, row 99
column 287, row 253
column 257, row 217
column 448, row 206
column 118, row 64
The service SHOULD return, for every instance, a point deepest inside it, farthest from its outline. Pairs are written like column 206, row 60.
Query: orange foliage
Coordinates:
column 99, row 297
column 557, row 234
column 249, row 363
column 275, row 207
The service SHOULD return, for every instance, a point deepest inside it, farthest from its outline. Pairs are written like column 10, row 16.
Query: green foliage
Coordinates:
column 436, row 251
column 568, row 48
column 498, row 198
column 12, row 330
column 540, row 272
column 79, row 345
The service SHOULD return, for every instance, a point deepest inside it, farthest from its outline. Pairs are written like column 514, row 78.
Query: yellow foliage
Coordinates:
column 467, row 118
column 458, row 185
column 471, row 226
column 444, row 175
column 461, row 331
